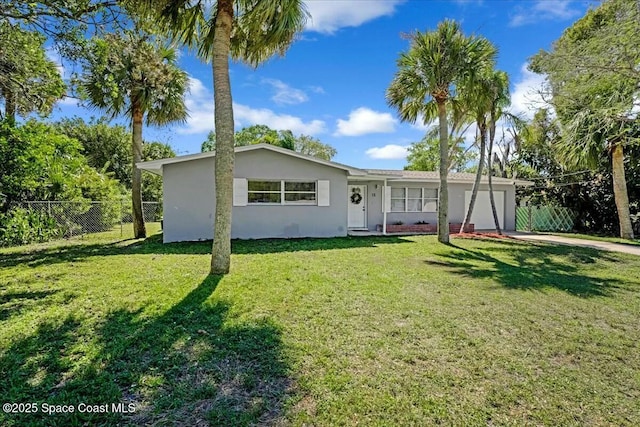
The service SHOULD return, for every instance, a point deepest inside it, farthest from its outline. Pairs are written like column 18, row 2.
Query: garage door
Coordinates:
column 482, row 216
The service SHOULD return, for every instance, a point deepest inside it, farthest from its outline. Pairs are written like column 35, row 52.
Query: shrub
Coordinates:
column 21, row 226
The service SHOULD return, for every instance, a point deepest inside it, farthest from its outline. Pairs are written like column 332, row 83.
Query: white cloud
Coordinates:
column 317, row 89
column 285, row 94
column 543, row 10
column 328, row 16
column 196, row 89
column 363, row 121
column 388, row 152
column 247, row 116
column 199, row 101
column 69, row 101
column 420, row 125
column 526, row 97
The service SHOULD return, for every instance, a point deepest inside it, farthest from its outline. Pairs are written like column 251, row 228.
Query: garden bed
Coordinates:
column 424, row 228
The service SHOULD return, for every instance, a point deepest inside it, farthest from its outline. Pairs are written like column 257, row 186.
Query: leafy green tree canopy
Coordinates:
column 594, row 80
column 137, row 76
column 125, row 70
column 29, row 81
column 39, row 163
column 257, row 134
column 108, row 148
column 425, row 155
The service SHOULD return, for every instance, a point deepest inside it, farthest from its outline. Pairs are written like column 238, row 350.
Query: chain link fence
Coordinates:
column 544, row 218
column 76, row 218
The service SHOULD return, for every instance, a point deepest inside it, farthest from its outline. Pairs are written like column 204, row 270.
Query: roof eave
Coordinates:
column 157, row 164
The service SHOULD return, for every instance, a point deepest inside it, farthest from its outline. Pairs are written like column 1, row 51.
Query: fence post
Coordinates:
column 121, row 215
column 530, row 219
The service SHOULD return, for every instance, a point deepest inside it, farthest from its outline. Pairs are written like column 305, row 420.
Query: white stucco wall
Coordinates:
column 189, row 199
column 456, row 203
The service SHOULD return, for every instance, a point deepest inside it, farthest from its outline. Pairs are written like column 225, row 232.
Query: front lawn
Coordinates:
column 369, row 331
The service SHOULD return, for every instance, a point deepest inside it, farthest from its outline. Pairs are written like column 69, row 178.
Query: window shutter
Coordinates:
column 240, row 192
column 386, row 207
column 323, row 193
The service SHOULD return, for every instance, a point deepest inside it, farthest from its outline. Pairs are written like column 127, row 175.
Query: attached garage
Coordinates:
column 482, row 215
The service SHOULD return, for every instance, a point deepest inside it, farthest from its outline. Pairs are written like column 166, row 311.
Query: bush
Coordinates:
column 21, row 226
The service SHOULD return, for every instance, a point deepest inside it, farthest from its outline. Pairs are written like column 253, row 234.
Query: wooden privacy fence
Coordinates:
column 544, row 218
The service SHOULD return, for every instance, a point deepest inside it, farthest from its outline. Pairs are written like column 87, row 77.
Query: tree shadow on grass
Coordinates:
column 192, row 365
column 153, row 245
column 13, row 303
column 534, row 267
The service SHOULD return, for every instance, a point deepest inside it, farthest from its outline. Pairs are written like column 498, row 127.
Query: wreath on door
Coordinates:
column 356, row 197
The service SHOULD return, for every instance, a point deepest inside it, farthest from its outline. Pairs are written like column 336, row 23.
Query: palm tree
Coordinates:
column 499, row 100
column 589, row 135
column 127, row 74
column 249, row 31
column 429, row 71
column 487, row 95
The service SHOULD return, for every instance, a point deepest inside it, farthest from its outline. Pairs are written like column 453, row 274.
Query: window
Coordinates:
column 429, row 200
column 414, row 199
column 281, row 192
column 397, row 200
column 300, row 192
column 264, row 192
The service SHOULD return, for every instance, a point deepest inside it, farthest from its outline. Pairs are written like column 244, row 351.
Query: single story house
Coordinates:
column 283, row 194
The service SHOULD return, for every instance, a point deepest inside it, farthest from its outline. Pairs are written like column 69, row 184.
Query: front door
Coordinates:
column 357, row 201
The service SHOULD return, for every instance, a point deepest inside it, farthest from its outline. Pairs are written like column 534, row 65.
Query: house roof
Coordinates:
column 155, row 166
column 432, row 176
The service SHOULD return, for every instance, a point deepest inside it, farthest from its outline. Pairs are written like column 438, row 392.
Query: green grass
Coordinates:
column 635, row 242
column 369, row 331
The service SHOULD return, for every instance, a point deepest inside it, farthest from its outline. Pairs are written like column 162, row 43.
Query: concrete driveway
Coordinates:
column 595, row 244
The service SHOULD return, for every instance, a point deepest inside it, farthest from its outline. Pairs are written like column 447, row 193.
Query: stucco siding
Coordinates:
column 456, row 203
column 189, row 200
column 262, row 221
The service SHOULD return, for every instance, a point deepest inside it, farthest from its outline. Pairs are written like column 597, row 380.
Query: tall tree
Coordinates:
column 477, row 96
column 499, row 100
column 425, row 154
column 257, row 134
column 127, row 74
column 37, row 162
column 313, row 147
column 250, row 31
column 593, row 78
column 436, row 63
column 29, row 81
column 108, row 148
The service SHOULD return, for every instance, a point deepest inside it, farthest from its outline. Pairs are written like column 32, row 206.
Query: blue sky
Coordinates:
column 331, row 83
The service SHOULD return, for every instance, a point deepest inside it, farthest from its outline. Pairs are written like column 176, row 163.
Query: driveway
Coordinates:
column 603, row 246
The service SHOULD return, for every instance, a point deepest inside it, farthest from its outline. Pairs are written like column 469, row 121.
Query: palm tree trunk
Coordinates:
column 476, row 182
column 443, row 192
column 492, row 134
column 224, row 160
column 139, row 230
column 620, row 192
